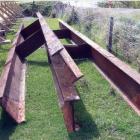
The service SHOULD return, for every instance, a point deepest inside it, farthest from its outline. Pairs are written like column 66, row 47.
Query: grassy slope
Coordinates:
column 102, row 115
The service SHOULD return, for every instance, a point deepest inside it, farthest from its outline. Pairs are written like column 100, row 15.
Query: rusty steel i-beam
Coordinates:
column 125, row 79
column 64, row 70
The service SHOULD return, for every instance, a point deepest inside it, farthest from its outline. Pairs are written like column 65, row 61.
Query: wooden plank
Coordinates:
column 31, row 44
column 126, row 79
column 54, row 45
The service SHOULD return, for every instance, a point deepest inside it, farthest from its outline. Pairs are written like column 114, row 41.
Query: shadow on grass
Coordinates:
column 88, row 128
column 7, row 126
column 38, row 63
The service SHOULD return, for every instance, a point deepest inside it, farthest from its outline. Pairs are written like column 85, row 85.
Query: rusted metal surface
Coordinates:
column 12, row 83
column 11, row 8
column 3, row 4
column 63, row 33
column 68, row 117
column 29, row 30
column 78, row 51
column 66, row 107
column 7, row 10
column 65, row 73
column 64, row 69
column 6, row 21
column 3, row 10
column 49, row 36
column 122, row 76
column 31, row 44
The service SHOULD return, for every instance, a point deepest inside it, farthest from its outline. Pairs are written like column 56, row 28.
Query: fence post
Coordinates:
column 111, row 24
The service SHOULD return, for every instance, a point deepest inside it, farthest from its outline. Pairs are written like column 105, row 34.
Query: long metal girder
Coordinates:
column 125, row 79
column 12, row 83
column 64, row 69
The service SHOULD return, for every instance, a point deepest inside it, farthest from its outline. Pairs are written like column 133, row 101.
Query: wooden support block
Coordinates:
column 12, row 84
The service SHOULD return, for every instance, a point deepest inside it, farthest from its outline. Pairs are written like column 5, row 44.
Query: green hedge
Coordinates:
column 120, row 4
column 46, row 8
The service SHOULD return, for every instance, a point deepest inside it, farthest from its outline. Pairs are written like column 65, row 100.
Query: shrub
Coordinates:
column 73, row 18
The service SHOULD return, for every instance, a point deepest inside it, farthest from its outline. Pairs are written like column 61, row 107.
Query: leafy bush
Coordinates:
column 126, row 39
column 120, row 4
column 73, row 18
column 46, row 8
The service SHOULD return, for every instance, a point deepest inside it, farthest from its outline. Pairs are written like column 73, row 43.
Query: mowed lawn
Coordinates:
column 101, row 113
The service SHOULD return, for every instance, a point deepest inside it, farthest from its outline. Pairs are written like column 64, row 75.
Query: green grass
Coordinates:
column 101, row 113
